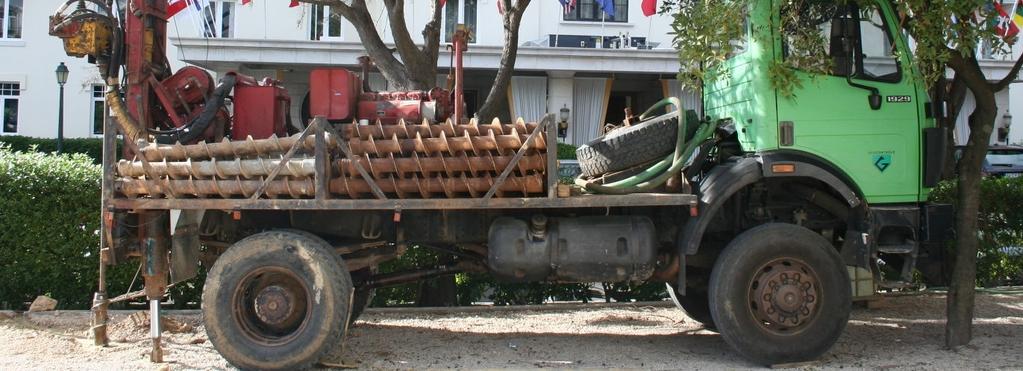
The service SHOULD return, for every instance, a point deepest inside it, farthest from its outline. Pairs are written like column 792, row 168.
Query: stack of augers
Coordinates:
column 425, row 160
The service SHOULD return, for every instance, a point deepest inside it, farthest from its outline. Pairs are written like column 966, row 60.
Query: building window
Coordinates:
column 99, row 108
column 9, row 92
column 590, row 11
column 468, row 16
column 10, row 19
column 325, row 23
column 218, row 19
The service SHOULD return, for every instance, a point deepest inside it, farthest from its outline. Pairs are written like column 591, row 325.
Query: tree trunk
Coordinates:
column 417, row 69
column 960, row 301
column 956, row 95
column 512, row 19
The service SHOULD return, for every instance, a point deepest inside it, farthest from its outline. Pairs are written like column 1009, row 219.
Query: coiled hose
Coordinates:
column 658, row 173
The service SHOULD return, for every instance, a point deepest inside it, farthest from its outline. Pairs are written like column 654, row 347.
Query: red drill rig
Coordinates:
column 186, row 106
column 188, row 139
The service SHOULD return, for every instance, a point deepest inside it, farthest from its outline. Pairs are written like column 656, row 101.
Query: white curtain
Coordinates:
column 691, row 98
column 962, row 131
column 589, row 104
column 528, row 97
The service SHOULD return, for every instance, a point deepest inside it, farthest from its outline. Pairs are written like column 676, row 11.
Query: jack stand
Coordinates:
column 154, row 331
column 155, row 248
column 99, row 319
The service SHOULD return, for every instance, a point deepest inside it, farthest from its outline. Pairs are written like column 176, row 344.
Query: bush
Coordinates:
column 91, row 147
column 49, row 229
column 566, row 151
column 1000, row 228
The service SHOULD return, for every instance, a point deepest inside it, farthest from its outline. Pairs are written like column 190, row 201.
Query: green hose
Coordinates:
column 656, row 175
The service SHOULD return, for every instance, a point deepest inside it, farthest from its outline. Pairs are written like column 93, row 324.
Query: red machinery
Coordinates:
column 341, row 95
column 266, row 109
column 173, row 106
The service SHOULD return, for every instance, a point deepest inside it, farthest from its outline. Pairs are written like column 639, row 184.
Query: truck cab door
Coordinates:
column 859, row 110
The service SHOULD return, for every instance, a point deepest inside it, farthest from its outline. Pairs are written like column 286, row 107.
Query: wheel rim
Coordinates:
column 271, row 305
column 784, row 295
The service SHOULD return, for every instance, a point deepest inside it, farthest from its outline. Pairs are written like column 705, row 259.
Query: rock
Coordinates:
column 43, row 303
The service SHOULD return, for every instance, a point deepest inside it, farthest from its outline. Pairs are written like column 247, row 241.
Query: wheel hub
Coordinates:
column 784, row 295
column 274, row 304
column 271, row 305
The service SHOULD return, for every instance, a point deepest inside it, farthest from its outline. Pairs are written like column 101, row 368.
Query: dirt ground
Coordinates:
column 906, row 332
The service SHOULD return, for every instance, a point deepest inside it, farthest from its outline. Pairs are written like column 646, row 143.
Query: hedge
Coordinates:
column 91, row 147
column 49, row 229
column 1000, row 229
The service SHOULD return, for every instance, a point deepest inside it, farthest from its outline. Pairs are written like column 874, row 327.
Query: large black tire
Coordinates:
column 780, row 293
column 277, row 300
column 695, row 303
column 627, row 147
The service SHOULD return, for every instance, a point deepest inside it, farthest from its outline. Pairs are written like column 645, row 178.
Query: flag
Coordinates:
column 1017, row 16
column 175, row 6
column 570, row 4
column 608, row 6
column 246, row 2
column 442, row 2
column 650, row 7
column 294, row 3
column 1004, row 26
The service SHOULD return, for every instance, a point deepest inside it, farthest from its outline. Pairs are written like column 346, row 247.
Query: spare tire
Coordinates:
column 627, row 147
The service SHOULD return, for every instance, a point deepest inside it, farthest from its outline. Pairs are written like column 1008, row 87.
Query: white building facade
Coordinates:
column 634, row 67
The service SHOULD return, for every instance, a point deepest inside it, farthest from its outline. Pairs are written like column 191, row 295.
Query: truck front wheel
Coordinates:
column 780, row 293
column 277, row 300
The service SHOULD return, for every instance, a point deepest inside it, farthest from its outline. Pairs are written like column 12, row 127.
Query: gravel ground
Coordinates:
column 905, row 332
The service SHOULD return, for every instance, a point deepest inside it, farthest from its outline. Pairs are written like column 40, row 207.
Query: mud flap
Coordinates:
column 185, row 246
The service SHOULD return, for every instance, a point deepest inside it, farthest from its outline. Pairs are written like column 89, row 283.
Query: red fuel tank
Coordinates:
column 333, row 93
column 260, row 110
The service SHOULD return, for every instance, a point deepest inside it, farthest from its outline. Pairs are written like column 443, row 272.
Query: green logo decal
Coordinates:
column 882, row 161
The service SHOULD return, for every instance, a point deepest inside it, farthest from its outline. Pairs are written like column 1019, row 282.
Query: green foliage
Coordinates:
column 940, row 28
column 624, row 291
column 566, row 151
column 1000, row 228
column 703, row 33
column 92, row 147
column 49, row 229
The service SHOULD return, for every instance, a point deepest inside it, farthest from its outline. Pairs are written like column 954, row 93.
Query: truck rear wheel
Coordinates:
column 277, row 300
column 780, row 293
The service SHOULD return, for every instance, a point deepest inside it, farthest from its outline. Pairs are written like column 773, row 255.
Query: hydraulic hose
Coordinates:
column 194, row 129
column 129, row 127
column 656, row 175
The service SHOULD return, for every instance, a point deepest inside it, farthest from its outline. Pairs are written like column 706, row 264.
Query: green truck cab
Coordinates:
column 850, row 153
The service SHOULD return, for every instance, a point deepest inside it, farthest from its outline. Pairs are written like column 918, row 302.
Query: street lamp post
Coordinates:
column 62, row 73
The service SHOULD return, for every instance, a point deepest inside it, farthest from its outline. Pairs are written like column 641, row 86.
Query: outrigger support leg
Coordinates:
column 155, row 247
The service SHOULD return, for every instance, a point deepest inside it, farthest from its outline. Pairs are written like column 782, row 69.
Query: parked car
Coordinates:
column 1004, row 161
column 1001, row 161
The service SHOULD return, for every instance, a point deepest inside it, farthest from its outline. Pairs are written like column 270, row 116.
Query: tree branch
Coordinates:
column 512, row 19
column 1009, row 78
column 431, row 33
column 407, row 48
